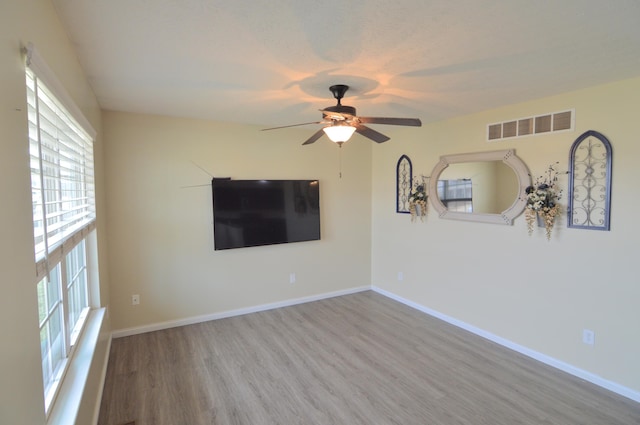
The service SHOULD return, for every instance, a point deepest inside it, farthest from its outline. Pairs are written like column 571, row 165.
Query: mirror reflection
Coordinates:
column 488, row 187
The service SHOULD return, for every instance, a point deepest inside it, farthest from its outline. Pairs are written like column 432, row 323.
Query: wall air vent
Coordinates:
column 531, row 126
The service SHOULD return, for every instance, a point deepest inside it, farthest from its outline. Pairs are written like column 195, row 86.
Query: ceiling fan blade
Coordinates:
column 318, row 134
column 371, row 133
column 415, row 122
column 292, row 125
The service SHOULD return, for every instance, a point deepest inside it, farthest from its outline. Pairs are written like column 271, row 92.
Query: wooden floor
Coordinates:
column 356, row 359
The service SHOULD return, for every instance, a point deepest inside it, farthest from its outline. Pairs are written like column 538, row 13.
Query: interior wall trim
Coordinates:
column 558, row 364
column 103, row 378
column 68, row 402
column 231, row 313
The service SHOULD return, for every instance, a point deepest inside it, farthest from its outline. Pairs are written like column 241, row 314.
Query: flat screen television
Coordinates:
column 264, row 212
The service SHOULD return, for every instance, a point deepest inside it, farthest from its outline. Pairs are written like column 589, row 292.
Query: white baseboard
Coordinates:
column 565, row 367
column 231, row 313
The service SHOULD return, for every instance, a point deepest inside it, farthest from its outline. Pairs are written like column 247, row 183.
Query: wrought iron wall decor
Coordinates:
column 404, row 179
column 590, row 182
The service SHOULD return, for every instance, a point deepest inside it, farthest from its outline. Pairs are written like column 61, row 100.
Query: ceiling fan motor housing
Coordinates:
column 341, row 109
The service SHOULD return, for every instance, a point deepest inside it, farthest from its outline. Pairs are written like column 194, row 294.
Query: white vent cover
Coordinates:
column 531, row 126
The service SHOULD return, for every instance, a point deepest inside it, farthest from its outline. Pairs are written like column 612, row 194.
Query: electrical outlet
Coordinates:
column 135, row 299
column 292, row 278
column 400, row 276
column 588, row 337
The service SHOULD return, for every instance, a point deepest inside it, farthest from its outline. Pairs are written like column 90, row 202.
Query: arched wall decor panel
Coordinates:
column 590, row 182
column 404, row 179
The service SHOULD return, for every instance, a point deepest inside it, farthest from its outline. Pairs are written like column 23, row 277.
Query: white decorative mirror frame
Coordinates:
column 509, row 158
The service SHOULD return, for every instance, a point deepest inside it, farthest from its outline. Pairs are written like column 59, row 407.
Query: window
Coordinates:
column 62, row 186
column 456, row 194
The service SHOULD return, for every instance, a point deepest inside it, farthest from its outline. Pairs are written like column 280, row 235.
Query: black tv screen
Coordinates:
column 264, row 212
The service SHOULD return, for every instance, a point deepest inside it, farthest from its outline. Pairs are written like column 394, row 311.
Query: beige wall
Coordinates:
column 21, row 399
column 531, row 292
column 161, row 231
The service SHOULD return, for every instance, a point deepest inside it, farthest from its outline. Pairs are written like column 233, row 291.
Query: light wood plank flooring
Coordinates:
column 356, row 359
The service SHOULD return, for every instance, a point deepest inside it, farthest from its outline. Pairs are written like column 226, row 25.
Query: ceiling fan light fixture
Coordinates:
column 339, row 133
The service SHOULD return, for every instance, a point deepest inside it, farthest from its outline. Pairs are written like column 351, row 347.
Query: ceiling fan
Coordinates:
column 341, row 121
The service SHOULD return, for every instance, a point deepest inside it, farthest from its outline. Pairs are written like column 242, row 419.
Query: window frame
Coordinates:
column 463, row 203
column 69, row 254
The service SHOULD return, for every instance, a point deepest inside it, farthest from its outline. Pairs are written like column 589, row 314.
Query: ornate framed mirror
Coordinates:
column 590, row 182
column 487, row 187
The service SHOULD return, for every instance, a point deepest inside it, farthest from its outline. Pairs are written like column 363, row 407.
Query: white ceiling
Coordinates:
column 270, row 62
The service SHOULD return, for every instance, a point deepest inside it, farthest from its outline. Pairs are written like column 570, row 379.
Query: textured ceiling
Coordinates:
column 271, row 62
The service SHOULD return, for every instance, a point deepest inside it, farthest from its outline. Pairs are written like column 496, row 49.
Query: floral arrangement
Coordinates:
column 418, row 200
column 542, row 200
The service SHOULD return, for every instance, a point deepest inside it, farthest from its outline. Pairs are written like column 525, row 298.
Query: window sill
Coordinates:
column 67, row 403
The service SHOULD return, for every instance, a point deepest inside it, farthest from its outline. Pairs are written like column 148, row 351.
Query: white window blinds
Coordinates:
column 62, row 176
column 62, row 188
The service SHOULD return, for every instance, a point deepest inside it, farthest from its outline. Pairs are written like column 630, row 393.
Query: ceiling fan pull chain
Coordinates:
column 340, row 160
